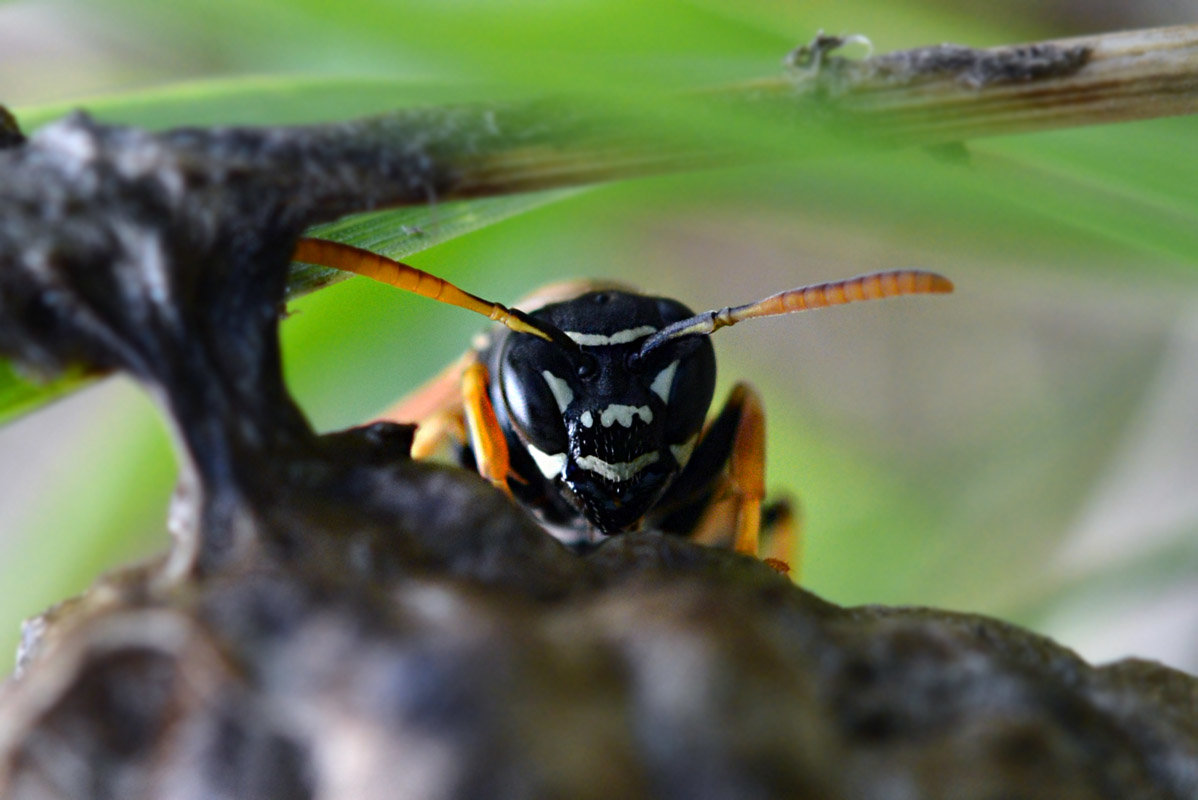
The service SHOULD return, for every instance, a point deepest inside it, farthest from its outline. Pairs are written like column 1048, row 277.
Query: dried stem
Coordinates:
column 926, row 96
column 948, row 93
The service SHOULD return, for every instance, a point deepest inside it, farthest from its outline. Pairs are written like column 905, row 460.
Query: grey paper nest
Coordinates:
column 334, row 620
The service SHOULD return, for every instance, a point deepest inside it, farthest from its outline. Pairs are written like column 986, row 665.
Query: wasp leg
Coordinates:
column 486, row 437
column 781, row 537
column 440, row 436
column 746, row 467
column 717, row 498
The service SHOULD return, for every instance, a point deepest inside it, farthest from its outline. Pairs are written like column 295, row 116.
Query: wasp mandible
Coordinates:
column 590, row 406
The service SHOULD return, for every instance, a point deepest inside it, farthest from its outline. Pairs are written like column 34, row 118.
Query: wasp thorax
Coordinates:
column 607, row 431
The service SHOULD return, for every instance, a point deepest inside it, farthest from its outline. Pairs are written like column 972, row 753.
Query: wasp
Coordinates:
column 589, row 405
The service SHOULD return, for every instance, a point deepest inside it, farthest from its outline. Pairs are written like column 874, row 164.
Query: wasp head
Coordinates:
column 607, row 428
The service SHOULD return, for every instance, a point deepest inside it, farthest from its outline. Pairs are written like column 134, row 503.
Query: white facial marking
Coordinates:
column 620, row 471
column 587, row 419
column 619, row 337
column 562, row 392
column 682, row 452
column 664, row 380
column 624, row 414
column 550, row 464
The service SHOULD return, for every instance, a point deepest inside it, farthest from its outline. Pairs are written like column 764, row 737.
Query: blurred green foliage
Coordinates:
column 984, row 451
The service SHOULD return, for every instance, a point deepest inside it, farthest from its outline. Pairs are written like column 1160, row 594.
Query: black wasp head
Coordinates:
column 608, row 429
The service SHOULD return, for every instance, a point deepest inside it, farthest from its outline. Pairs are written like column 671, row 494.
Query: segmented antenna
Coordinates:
column 875, row 286
column 348, row 258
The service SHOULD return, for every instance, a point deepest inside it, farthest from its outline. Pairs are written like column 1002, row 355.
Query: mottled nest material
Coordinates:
column 336, row 621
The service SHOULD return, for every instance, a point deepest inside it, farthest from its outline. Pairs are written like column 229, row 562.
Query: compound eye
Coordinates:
column 537, row 387
column 685, row 383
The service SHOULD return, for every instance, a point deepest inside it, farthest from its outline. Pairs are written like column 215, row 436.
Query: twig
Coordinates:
column 947, row 93
column 926, row 96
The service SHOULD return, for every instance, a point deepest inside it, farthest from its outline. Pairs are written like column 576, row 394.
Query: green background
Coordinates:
column 1026, row 448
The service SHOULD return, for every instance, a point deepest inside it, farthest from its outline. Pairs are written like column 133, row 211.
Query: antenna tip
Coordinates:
column 939, row 284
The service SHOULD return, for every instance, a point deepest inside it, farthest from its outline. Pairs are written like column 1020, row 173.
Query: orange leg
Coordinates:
column 733, row 447
column 437, row 433
column 486, row 437
column 746, row 468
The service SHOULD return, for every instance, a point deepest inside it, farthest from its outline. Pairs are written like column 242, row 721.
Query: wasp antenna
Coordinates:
column 874, row 286
column 348, row 258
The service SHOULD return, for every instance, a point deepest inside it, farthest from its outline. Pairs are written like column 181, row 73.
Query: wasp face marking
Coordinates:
column 624, row 415
column 619, row 337
column 550, row 464
column 620, row 471
column 664, row 382
column 562, row 392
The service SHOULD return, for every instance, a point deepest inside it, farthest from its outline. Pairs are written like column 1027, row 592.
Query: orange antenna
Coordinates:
column 348, row 258
column 875, row 286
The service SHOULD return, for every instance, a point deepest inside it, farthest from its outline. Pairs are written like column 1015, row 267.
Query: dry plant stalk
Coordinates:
column 944, row 93
column 925, row 96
